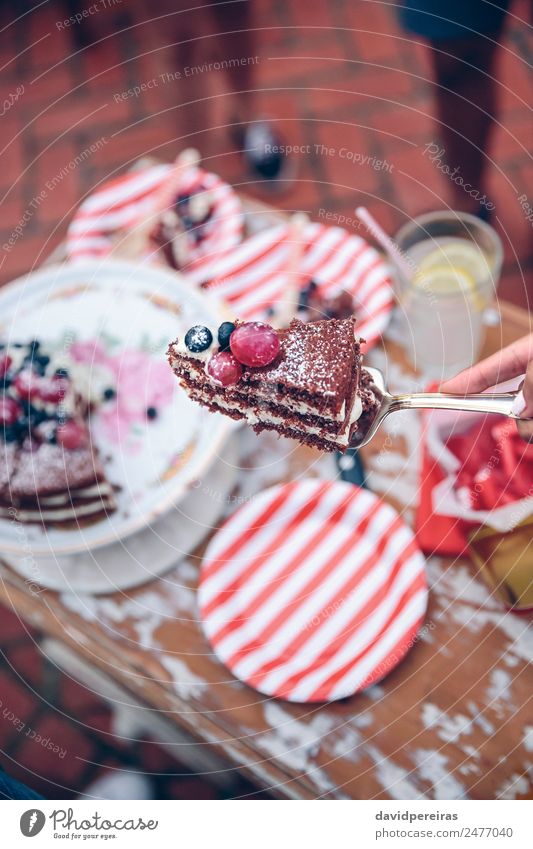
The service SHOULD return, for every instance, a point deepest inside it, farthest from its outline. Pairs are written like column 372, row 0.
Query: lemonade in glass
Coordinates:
column 453, row 261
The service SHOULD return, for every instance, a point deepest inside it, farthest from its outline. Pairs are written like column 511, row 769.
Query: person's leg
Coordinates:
column 256, row 137
column 236, row 41
column 463, row 40
column 465, row 102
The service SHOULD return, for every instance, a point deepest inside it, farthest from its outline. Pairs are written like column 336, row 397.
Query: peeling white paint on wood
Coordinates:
column 432, row 767
column 185, row 683
column 448, row 728
column 516, row 785
column 499, row 690
column 398, row 782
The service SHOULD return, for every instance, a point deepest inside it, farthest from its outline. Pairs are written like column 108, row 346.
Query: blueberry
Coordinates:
column 10, row 433
column 24, row 427
column 34, row 345
column 181, row 203
column 61, row 372
column 151, row 412
column 39, row 364
column 305, row 294
column 109, row 393
column 224, row 332
column 198, row 338
column 37, row 416
column 52, row 437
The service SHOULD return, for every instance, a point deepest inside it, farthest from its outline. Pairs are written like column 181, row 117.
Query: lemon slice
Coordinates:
column 442, row 280
column 458, row 255
column 445, row 280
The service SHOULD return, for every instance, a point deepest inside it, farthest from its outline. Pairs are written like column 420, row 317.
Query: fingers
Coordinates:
column 527, row 390
column 525, row 429
column 523, row 406
column 507, row 363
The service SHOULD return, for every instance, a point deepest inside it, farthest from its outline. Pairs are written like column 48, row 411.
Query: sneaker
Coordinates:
column 119, row 785
column 262, row 150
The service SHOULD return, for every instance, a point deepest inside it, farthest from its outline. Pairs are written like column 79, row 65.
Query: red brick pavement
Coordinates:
column 56, row 736
column 341, row 74
column 338, row 74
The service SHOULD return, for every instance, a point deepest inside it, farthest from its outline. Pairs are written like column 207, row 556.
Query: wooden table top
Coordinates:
column 453, row 720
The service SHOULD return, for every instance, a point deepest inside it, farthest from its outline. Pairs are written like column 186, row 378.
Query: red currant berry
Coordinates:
column 224, row 369
column 9, row 411
column 26, row 384
column 254, row 344
column 72, row 435
column 53, row 391
column 5, row 363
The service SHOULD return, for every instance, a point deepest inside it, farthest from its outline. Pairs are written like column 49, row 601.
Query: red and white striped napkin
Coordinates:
column 252, row 278
column 312, row 591
column 127, row 201
column 250, row 275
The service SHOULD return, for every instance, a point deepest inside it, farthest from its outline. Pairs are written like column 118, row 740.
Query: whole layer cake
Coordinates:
column 305, row 381
column 49, row 469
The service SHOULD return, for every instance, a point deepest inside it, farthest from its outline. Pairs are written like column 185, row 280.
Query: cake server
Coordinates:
column 485, row 402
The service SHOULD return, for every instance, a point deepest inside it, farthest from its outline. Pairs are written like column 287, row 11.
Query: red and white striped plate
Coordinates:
column 125, row 202
column 249, row 275
column 252, row 278
column 313, row 591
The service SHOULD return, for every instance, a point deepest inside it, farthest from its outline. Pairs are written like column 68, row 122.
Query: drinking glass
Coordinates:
column 453, row 262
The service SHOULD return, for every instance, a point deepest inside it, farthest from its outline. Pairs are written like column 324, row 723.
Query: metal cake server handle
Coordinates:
column 486, row 402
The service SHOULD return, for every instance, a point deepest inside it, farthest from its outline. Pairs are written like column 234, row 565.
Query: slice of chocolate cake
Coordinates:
column 49, row 470
column 303, row 382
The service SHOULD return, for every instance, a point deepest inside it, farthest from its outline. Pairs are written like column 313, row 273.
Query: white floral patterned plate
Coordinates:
column 114, row 320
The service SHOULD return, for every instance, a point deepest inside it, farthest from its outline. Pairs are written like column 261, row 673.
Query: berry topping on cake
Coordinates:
column 53, row 390
column 255, row 344
column 9, row 411
column 304, row 381
column 198, row 338
column 40, row 363
column 71, row 435
column 26, row 384
column 5, row 363
column 306, row 294
column 151, row 413
column 224, row 369
column 224, row 333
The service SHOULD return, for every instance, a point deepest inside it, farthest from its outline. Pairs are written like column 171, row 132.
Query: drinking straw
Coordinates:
column 391, row 249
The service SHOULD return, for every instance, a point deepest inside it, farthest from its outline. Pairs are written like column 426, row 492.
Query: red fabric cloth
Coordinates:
column 496, row 469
